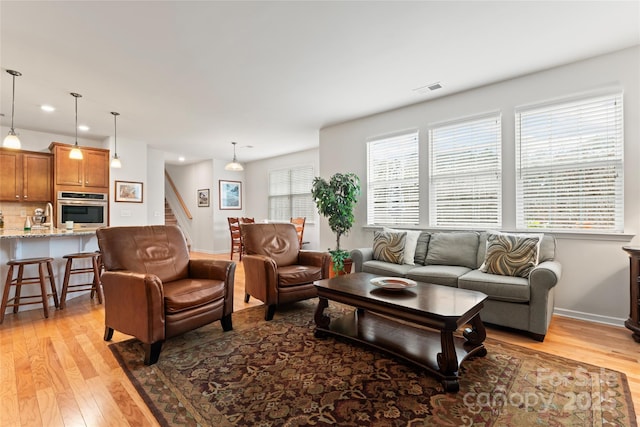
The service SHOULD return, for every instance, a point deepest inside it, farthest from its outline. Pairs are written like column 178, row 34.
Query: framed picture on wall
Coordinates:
column 230, row 194
column 203, row 198
column 128, row 191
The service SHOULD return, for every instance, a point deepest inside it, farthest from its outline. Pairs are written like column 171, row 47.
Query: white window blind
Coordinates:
column 392, row 180
column 465, row 174
column 290, row 194
column 570, row 166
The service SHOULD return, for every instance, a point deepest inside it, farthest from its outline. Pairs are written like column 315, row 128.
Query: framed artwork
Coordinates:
column 128, row 191
column 203, row 198
column 230, row 194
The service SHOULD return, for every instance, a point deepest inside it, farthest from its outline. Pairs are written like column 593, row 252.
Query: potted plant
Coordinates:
column 336, row 200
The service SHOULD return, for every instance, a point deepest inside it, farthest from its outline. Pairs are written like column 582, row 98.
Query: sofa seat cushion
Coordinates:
column 185, row 294
column 293, row 275
column 496, row 287
column 386, row 268
column 446, row 275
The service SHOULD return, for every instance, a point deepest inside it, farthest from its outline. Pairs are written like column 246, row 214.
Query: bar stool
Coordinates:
column 70, row 270
column 20, row 280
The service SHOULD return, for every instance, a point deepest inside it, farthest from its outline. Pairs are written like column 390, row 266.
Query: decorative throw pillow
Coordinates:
column 409, row 245
column 511, row 254
column 389, row 246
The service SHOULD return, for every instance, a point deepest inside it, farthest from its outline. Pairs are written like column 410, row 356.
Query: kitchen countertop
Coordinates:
column 16, row 233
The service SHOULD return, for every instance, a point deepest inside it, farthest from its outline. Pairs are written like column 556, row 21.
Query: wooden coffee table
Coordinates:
column 415, row 324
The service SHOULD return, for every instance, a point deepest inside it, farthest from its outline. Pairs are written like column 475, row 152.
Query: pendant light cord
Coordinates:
column 76, row 118
column 13, row 101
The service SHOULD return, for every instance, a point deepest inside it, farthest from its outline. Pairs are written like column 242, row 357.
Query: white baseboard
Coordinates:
column 607, row 320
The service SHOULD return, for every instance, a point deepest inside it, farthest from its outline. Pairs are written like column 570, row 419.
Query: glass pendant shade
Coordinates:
column 115, row 161
column 12, row 140
column 76, row 153
column 234, row 165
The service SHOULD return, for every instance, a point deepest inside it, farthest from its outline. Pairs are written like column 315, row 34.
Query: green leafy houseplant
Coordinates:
column 336, row 200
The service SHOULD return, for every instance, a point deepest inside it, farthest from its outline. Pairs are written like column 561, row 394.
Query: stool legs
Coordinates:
column 20, row 280
column 94, row 286
column 5, row 294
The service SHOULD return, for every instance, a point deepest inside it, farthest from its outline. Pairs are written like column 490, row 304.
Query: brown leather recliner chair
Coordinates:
column 153, row 291
column 276, row 270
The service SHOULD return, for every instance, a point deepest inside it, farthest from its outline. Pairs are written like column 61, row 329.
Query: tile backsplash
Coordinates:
column 15, row 213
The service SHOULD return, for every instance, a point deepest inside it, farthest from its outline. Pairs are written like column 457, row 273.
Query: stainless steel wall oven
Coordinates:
column 86, row 210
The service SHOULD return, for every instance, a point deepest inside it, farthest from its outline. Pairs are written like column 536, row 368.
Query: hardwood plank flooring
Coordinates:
column 59, row 371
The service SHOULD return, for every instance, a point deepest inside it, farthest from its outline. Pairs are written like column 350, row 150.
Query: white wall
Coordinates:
column 257, row 178
column 133, row 156
column 595, row 282
column 155, row 191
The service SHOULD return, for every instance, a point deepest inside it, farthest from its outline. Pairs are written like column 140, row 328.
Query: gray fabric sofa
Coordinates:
column 453, row 259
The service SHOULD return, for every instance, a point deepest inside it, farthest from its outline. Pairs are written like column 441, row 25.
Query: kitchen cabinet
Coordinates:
column 25, row 176
column 90, row 174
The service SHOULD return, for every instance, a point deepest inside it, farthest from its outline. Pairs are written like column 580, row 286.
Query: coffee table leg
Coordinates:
column 321, row 319
column 448, row 362
column 476, row 334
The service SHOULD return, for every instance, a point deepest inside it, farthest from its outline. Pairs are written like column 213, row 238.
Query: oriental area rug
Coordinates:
column 278, row 374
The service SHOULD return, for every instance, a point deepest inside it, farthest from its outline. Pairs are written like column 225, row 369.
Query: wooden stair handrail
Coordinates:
column 175, row 190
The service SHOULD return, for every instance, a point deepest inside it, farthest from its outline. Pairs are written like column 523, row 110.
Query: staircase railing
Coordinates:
column 184, row 207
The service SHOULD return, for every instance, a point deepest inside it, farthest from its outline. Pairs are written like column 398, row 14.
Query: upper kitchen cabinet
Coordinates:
column 25, row 176
column 90, row 174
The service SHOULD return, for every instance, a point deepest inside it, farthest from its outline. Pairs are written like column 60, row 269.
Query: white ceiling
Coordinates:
column 189, row 77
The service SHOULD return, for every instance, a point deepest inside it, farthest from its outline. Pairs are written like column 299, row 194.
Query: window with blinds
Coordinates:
column 392, row 180
column 465, row 182
column 290, row 194
column 570, row 166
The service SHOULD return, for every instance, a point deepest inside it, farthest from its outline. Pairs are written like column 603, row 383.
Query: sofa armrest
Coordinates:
column 317, row 259
column 359, row 257
column 214, row 269
column 545, row 276
column 134, row 304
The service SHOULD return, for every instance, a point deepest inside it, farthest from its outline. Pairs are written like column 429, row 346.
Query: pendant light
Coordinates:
column 234, row 165
column 11, row 140
column 75, row 152
column 115, row 162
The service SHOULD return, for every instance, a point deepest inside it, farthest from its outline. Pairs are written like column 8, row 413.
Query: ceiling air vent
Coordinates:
column 423, row 90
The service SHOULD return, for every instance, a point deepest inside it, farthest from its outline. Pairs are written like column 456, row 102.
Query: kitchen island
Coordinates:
column 44, row 242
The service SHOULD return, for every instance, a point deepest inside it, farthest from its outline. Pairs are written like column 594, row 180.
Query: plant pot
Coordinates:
column 347, row 268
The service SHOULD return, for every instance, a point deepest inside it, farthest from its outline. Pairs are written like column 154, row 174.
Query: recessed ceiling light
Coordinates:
column 47, row 108
column 181, row 159
column 83, row 128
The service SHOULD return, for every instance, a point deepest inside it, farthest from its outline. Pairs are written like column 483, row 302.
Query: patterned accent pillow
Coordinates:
column 511, row 254
column 389, row 246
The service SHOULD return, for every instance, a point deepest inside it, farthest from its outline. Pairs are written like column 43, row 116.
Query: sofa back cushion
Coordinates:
column 421, row 248
column 453, row 248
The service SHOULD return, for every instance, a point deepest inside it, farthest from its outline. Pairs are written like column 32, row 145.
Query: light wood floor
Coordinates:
column 59, row 371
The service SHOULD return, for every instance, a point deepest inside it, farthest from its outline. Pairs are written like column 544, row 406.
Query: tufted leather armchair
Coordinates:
column 276, row 270
column 153, row 291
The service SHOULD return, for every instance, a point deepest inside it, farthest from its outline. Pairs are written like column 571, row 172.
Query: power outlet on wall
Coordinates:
column 23, row 213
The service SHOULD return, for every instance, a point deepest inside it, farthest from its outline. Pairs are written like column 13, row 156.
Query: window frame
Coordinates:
column 585, row 160
column 440, row 179
column 290, row 194
column 401, row 173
